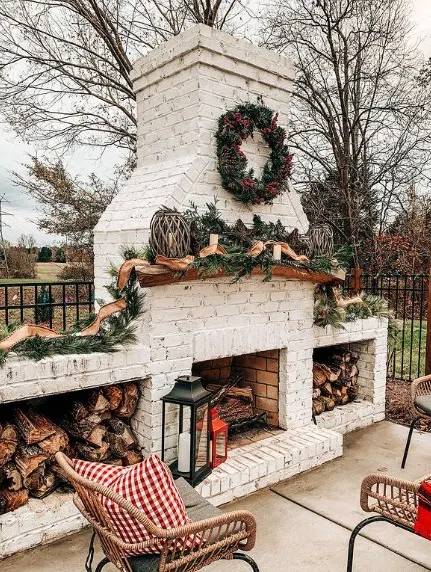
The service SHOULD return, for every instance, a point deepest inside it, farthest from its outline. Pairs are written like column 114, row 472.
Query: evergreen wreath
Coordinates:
column 233, row 128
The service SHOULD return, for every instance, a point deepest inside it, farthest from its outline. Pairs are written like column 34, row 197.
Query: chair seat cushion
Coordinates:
column 150, row 487
column 423, row 402
column 197, row 509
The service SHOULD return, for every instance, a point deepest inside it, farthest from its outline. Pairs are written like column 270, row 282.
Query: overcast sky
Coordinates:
column 13, row 153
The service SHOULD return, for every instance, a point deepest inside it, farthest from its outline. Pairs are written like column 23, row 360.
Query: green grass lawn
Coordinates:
column 412, row 350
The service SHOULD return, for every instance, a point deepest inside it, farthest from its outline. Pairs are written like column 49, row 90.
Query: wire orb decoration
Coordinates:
column 320, row 240
column 169, row 234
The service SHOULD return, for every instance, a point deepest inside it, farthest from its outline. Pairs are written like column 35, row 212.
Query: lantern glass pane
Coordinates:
column 201, row 436
column 220, row 446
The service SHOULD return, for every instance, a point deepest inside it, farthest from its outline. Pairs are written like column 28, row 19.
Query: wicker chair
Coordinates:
column 220, row 535
column 421, row 400
column 395, row 501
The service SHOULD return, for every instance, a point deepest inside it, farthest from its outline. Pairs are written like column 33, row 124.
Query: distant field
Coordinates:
column 45, row 272
column 49, row 271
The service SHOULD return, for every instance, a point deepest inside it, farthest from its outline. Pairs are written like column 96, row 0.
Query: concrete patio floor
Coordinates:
column 303, row 523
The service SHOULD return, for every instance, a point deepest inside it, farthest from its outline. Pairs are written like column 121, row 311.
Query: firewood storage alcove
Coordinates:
column 91, row 425
column 335, row 377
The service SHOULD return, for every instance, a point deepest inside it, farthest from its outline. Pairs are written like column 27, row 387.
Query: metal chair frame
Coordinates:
column 420, row 387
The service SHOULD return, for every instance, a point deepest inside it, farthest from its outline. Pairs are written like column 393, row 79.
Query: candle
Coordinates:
column 213, row 239
column 184, row 452
column 170, row 239
column 277, row 252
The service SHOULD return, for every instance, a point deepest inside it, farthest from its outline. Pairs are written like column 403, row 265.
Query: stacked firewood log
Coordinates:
column 334, row 380
column 94, row 426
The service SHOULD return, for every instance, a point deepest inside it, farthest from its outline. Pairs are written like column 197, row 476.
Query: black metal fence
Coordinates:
column 58, row 305
column 407, row 295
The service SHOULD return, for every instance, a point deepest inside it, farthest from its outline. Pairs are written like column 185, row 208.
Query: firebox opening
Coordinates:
column 245, row 390
column 335, row 377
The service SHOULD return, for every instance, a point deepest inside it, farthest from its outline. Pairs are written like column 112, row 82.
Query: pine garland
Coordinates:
column 115, row 332
column 233, row 128
column 327, row 313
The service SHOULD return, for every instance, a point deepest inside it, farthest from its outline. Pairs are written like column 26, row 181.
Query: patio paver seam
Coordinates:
column 338, row 523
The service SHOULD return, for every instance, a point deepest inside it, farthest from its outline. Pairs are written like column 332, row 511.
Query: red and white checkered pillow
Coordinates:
column 150, row 487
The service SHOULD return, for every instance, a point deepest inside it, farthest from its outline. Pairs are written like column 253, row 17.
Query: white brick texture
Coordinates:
column 182, row 88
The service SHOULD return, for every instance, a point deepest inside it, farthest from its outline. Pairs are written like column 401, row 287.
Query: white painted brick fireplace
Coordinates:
column 182, row 88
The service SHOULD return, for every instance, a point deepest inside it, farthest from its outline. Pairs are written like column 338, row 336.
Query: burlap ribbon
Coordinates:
column 30, row 330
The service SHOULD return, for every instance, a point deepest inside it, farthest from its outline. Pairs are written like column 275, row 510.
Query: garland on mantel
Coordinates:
column 244, row 248
column 236, row 126
column 111, row 329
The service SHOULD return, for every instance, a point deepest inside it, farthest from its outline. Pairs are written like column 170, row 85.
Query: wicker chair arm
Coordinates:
column 228, row 521
column 377, row 486
column 395, row 499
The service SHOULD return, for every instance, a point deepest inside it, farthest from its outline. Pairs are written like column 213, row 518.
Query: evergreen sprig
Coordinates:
column 327, row 312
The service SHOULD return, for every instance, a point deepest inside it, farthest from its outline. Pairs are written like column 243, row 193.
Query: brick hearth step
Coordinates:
column 269, row 461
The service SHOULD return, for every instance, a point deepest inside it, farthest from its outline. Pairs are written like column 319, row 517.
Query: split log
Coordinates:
column 82, row 429
column 331, row 373
column 32, row 426
column 123, row 430
column 28, row 458
column 329, row 403
column 95, row 437
column 319, row 376
column 35, row 479
column 221, row 391
column 12, row 477
column 105, row 415
column 326, row 389
column 48, row 485
column 78, row 411
column 114, row 394
column 129, row 400
column 97, row 402
column 132, row 457
column 318, row 406
column 57, row 442
column 88, row 453
column 8, row 442
column 11, row 500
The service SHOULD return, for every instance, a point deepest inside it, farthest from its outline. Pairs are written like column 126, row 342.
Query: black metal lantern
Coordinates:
column 193, row 455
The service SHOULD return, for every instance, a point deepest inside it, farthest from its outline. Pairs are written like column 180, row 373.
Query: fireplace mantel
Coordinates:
column 157, row 275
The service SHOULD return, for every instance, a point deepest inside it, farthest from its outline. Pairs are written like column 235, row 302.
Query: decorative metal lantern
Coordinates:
column 219, row 437
column 169, row 234
column 320, row 240
column 193, row 455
